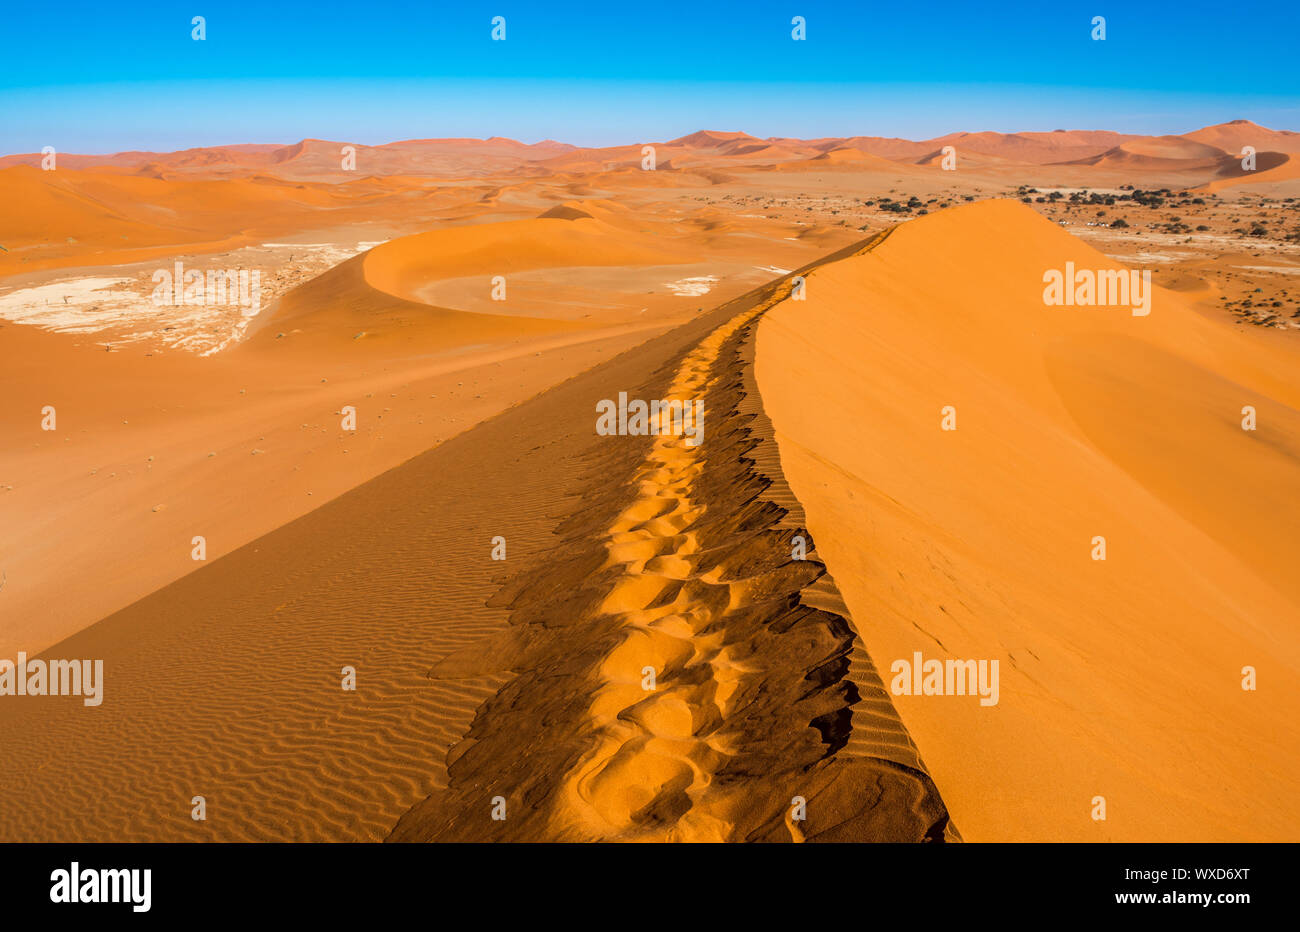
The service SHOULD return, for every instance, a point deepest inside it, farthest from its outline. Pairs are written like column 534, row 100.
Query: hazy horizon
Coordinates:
column 624, row 142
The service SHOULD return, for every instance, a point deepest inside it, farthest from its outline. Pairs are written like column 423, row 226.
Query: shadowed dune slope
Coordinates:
column 1120, row 678
column 1269, row 167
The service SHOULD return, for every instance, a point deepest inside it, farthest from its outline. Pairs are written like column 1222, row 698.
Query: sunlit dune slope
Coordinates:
column 1232, row 136
column 401, row 267
column 1119, row 678
column 1057, row 146
column 68, row 217
column 57, row 210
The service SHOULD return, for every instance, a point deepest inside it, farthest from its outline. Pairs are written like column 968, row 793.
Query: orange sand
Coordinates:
column 474, row 419
column 1120, row 678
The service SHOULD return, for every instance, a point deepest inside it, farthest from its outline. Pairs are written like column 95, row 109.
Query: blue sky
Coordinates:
column 102, row 78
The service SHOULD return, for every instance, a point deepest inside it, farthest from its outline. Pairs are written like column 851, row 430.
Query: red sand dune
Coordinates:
column 1161, row 152
column 1120, row 678
column 849, row 158
column 1041, row 148
column 1231, row 137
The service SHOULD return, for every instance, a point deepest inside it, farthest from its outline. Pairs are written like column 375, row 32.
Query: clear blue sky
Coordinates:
column 109, row 77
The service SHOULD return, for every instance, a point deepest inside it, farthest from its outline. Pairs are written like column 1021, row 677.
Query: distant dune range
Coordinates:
column 321, row 159
column 130, row 206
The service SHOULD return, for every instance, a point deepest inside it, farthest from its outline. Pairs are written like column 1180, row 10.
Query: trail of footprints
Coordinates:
column 659, row 748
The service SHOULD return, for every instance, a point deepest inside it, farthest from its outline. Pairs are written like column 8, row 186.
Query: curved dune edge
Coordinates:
column 1119, row 679
column 377, row 297
column 342, row 305
column 680, row 560
column 404, row 266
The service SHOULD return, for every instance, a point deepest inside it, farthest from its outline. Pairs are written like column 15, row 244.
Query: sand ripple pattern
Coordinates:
column 227, row 683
